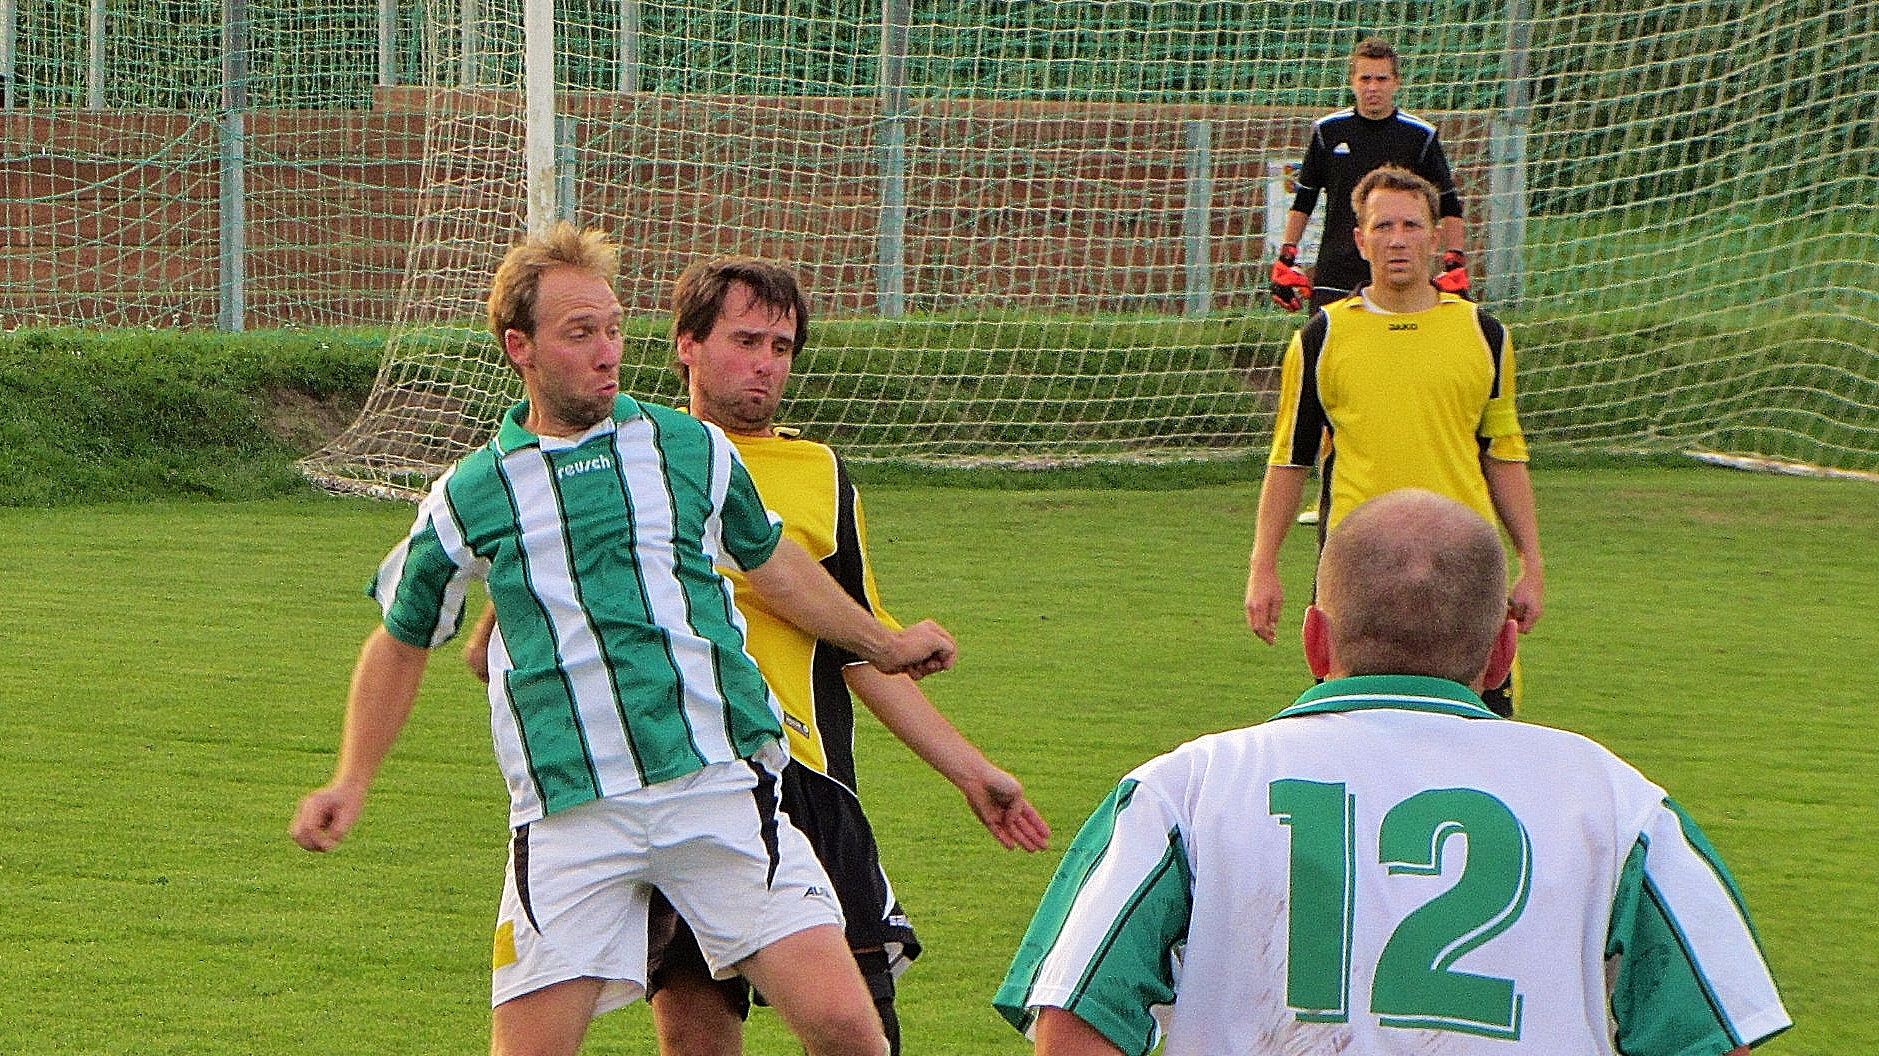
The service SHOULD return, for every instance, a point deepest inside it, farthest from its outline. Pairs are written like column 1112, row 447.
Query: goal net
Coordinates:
column 1038, row 231
column 157, row 171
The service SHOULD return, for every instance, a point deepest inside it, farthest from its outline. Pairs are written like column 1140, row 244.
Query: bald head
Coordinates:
column 1413, row 583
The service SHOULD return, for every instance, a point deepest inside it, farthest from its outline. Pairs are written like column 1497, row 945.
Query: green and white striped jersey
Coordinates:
column 620, row 658
column 1386, row 867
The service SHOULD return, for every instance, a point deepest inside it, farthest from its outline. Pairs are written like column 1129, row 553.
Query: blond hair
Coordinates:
column 518, row 279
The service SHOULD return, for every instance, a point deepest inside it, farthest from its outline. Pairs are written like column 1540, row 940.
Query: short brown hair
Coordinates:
column 519, row 277
column 1376, row 48
column 1414, row 583
column 698, row 298
column 1394, row 178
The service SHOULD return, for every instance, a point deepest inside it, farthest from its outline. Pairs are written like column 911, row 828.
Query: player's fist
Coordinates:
column 924, row 649
column 1454, row 277
column 1290, row 288
column 325, row 816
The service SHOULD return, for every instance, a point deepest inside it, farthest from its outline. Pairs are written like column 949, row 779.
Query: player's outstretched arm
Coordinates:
column 1510, row 487
column 1278, row 505
column 996, row 797
column 801, row 591
column 384, row 688
column 1063, row 1033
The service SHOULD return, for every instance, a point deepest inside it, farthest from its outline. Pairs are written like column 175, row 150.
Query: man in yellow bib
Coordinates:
column 1401, row 385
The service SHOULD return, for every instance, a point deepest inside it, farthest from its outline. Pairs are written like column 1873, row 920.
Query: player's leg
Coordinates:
column 830, row 816
column 551, row 1021
column 760, row 904
column 878, row 976
column 810, row 978
column 693, row 1017
column 694, row 1014
column 571, row 934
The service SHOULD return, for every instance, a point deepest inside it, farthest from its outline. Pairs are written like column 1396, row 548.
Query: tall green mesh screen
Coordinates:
column 121, row 155
column 1033, row 229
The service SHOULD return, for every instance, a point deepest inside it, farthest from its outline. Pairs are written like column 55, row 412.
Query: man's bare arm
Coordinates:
column 996, row 797
column 384, row 687
column 1510, row 487
column 801, row 591
column 1278, row 505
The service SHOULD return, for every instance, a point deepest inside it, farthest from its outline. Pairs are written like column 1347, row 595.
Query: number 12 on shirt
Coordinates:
column 1414, row 982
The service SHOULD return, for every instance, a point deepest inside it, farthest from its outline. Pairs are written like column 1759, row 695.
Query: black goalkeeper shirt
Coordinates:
column 1344, row 147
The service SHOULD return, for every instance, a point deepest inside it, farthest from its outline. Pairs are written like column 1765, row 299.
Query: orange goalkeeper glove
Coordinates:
column 1454, row 277
column 1290, row 288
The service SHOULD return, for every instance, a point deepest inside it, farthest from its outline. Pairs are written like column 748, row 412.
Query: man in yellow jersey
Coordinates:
column 737, row 326
column 1407, row 386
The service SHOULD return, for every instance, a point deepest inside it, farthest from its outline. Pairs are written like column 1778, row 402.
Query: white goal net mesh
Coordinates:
column 1039, row 231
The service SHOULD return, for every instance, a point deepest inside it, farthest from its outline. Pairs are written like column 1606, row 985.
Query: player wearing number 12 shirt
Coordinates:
column 1388, row 867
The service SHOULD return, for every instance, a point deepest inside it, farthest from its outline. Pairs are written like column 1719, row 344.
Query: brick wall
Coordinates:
column 112, row 218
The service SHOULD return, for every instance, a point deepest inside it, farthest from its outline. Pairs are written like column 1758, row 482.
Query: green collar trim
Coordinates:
column 1402, row 692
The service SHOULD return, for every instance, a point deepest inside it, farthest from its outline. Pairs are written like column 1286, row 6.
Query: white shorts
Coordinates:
column 716, row 842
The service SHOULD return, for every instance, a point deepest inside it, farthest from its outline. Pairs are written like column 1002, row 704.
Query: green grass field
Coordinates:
column 173, row 677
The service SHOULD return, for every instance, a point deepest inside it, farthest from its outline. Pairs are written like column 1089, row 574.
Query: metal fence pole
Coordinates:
column 1507, row 173
column 8, row 64
column 94, row 57
column 891, row 246
column 629, row 46
column 470, row 41
column 538, row 63
column 232, row 312
column 387, row 43
column 1197, row 219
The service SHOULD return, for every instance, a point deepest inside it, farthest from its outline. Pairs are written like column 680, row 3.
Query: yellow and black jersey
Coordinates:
column 806, row 484
column 1398, row 401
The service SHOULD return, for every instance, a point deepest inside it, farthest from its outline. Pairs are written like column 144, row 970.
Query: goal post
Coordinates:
column 1039, row 232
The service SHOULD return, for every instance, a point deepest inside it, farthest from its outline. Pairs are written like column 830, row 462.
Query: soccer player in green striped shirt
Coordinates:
column 640, row 744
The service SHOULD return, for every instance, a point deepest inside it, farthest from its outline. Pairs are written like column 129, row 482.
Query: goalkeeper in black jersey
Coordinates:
column 1344, row 147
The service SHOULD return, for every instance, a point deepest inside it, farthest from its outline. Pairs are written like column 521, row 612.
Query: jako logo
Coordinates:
column 1393, row 327
column 585, row 465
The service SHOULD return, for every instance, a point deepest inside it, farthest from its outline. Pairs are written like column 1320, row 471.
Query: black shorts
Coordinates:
column 831, row 817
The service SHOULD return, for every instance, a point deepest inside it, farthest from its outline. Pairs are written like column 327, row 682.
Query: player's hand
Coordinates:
column 998, row 800
column 1264, row 599
column 924, row 649
column 476, row 655
column 1454, row 277
column 325, row 816
column 1524, row 604
column 1290, row 288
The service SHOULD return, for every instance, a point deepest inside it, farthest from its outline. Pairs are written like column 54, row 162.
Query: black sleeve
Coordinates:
column 1434, row 168
column 847, row 565
column 1310, row 421
column 1311, row 176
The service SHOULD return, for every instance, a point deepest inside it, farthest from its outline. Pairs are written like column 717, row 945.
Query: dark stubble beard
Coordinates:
column 738, row 416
